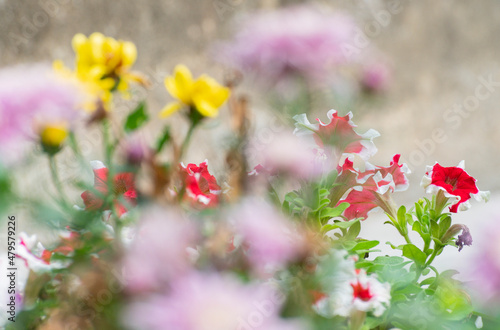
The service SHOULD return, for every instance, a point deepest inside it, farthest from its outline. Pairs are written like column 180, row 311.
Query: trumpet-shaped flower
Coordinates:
column 372, row 187
column 455, row 184
column 349, row 290
column 204, row 94
column 201, row 187
column 122, row 186
column 339, row 133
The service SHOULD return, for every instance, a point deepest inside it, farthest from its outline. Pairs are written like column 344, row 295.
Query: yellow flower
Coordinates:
column 102, row 66
column 52, row 137
column 203, row 94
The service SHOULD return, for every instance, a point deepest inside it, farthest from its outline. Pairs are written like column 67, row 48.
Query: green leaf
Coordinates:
column 413, row 253
column 444, row 225
column 164, row 139
column 137, row 118
column 332, row 212
column 365, row 245
column 428, row 281
column 386, row 260
column 353, row 231
column 399, row 247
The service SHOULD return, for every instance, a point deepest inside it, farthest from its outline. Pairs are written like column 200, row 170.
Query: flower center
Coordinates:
column 361, row 292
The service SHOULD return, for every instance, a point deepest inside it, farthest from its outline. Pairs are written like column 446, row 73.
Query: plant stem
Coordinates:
column 108, row 147
column 187, row 139
column 56, row 180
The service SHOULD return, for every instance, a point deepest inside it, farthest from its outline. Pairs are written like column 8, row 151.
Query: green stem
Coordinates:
column 56, row 180
column 187, row 139
column 108, row 147
column 76, row 149
column 433, row 255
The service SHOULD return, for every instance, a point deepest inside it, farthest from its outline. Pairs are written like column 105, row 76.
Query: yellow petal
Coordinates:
column 211, row 91
column 97, row 41
column 180, row 85
column 170, row 109
column 205, row 108
column 79, row 40
column 129, row 53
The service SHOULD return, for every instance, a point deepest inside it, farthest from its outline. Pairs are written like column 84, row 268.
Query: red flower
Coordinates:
column 371, row 188
column 122, row 186
column 455, row 184
column 339, row 133
column 201, row 186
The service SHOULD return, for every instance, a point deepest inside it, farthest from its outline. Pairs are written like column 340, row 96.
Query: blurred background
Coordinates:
column 441, row 103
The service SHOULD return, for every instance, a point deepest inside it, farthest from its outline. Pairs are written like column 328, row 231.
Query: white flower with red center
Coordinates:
column 348, row 290
column 123, row 188
column 371, row 188
column 201, row 186
column 338, row 133
column 362, row 293
column 452, row 184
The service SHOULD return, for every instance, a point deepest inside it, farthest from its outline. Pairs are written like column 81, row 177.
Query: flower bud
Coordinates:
column 52, row 138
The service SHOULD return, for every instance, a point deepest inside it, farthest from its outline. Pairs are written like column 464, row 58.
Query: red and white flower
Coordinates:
column 123, row 187
column 350, row 290
column 362, row 293
column 201, row 186
column 34, row 254
column 454, row 184
column 338, row 133
column 371, row 188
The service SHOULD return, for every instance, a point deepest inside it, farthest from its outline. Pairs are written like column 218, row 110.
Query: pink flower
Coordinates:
column 299, row 40
column 375, row 78
column 287, row 154
column 210, row 301
column 158, row 253
column 271, row 240
column 123, row 186
column 201, row 186
column 338, row 134
column 372, row 187
column 455, row 184
column 32, row 97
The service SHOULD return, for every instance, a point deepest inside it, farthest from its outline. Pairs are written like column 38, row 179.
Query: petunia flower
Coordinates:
column 204, row 94
column 453, row 185
column 349, row 290
column 34, row 254
column 122, row 187
column 339, row 134
column 200, row 186
column 371, row 188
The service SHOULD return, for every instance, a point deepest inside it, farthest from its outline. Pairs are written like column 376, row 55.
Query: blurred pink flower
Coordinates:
column 158, row 253
column 271, row 239
column 376, row 77
column 210, row 301
column 30, row 98
column 288, row 154
column 300, row 40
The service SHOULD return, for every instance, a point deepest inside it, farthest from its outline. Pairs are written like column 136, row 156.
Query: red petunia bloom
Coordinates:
column 201, row 186
column 339, row 133
column 372, row 186
column 122, row 186
column 456, row 185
